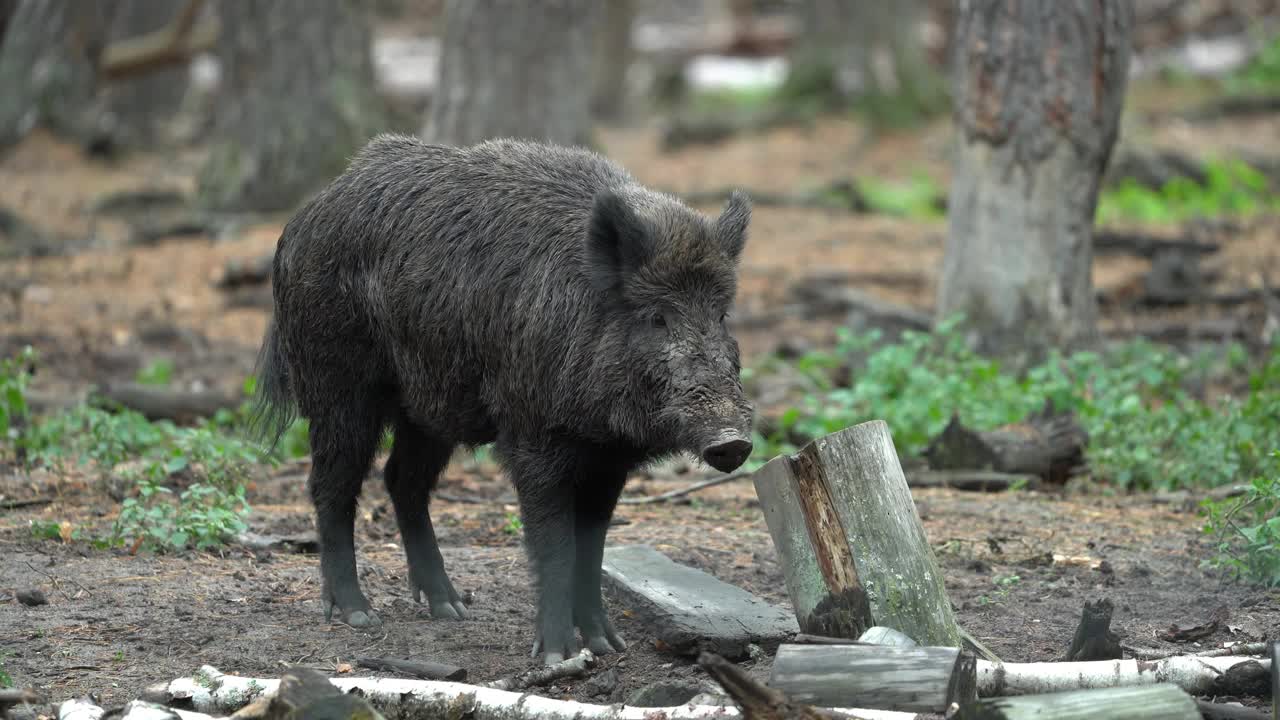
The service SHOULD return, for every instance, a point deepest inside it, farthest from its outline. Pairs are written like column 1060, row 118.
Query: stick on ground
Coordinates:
column 423, row 669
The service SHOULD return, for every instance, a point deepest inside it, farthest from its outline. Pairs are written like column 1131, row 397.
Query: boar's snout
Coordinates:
column 728, row 451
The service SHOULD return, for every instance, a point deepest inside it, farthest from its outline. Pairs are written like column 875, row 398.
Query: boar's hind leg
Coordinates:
column 544, row 480
column 597, row 495
column 411, row 473
column 343, row 442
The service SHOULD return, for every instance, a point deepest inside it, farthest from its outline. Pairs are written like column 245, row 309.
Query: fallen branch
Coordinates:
column 1148, row 246
column 672, row 494
column 973, row 480
column 425, row 670
column 16, row 503
column 571, row 667
column 155, row 403
column 1047, row 444
column 1256, row 648
column 212, row 691
column 1196, row 675
column 17, row 696
column 1223, row 711
column 173, row 44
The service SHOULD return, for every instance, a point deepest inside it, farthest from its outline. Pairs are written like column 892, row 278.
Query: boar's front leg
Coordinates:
column 544, row 475
column 597, row 495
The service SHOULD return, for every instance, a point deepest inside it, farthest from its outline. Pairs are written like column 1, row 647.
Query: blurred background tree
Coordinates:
column 1039, row 93
column 515, row 69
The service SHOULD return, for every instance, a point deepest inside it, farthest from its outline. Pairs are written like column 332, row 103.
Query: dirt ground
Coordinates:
column 1017, row 566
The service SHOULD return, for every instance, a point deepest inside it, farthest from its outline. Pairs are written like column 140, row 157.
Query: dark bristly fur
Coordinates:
column 524, row 294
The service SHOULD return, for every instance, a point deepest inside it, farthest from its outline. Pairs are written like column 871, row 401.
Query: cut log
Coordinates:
column 760, row 702
column 1196, row 675
column 241, row 273
column 824, row 298
column 919, row 679
column 1163, row 702
column 155, row 403
column 213, row 692
column 1048, row 444
column 424, row 669
column 690, row 611
column 973, row 480
column 853, row 550
column 1118, row 242
column 1093, row 639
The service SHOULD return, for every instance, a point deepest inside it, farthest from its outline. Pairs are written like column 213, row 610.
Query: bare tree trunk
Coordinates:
column 613, row 59
column 510, row 68
column 297, row 98
column 1039, row 88
column 141, row 107
column 48, row 67
column 871, row 51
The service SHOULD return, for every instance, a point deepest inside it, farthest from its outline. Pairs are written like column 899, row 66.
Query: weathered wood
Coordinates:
column 424, row 669
column 1153, row 702
column 973, row 480
column 1093, row 639
column 155, row 403
column 688, row 610
column 239, row 273
column 758, row 702
column 919, row 679
column 853, row 550
column 1048, row 444
column 824, row 298
column 1148, row 246
column 17, row 696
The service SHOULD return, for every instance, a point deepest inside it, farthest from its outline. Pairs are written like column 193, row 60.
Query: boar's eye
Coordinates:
column 657, row 320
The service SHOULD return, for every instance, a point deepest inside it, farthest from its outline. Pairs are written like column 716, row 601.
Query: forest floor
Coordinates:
column 1018, row 566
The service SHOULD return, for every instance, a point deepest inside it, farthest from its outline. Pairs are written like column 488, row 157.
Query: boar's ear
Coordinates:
column 731, row 226
column 617, row 241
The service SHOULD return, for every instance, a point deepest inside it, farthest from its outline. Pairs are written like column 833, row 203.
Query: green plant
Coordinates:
column 6, row 680
column 15, row 376
column 1231, row 188
column 1246, row 530
column 1261, row 75
column 513, row 524
column 158, row 372
column 917, row 197
column 1145, row 430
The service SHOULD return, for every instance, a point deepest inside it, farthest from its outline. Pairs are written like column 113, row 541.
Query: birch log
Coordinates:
column 853, row 550
column 213, row 692
column 1196, row 675
column 920, row 679
column 1153, row 702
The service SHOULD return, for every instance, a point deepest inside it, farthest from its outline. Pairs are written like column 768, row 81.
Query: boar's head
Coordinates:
column 669, row 275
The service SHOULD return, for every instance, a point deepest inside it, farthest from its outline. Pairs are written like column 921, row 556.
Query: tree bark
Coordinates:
column 613, row 59
column 1039, row 89
column 48, row 67
column 141, row 107
column 514, row 69
column 916, row 679
column 297, row 99
column 1163, row 702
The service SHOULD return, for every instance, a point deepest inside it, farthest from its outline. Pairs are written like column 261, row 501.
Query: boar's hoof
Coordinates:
column 443, row 607
column 606, row 645
column 354, row 618
column 728, row 452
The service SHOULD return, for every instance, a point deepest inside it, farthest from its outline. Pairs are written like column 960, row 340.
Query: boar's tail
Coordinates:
column 273, row 407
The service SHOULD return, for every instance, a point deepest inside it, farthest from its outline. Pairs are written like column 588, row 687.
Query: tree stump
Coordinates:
column 918, row 679
column 851, row 544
